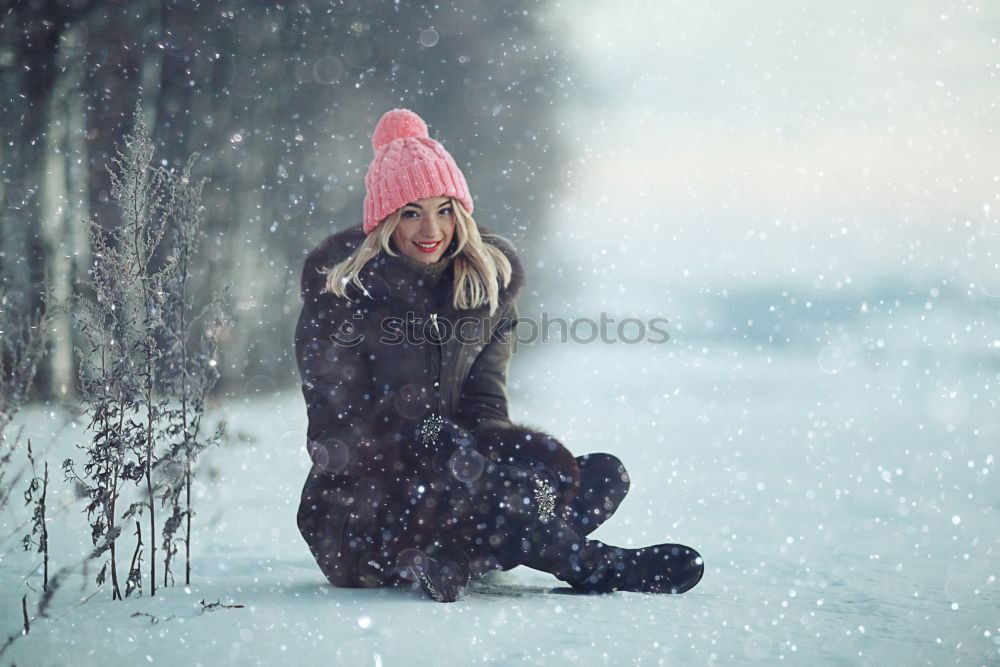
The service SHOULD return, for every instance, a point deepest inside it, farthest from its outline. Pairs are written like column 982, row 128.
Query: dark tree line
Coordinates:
column 279, row 99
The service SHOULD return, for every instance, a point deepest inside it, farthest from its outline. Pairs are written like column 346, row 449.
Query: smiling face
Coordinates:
column 425, row 229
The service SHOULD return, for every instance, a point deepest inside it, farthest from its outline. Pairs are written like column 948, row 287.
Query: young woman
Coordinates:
column 403, row 345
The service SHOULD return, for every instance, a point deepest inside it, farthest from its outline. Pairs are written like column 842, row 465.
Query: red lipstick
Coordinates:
column 427, row 249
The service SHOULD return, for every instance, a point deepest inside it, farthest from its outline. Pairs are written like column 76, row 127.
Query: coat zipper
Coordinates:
column 436, row 368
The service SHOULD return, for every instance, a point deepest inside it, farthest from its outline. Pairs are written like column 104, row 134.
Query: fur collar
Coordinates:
column 390, row 278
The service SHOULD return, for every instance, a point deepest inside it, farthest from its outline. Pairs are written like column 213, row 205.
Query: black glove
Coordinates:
column 520, row 444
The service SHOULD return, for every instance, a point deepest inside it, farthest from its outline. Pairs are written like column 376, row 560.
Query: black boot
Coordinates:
column 661, row 568
column 603, row 485
column 591, row 566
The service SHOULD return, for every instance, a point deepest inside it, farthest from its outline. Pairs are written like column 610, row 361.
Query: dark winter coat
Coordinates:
column 373, row 490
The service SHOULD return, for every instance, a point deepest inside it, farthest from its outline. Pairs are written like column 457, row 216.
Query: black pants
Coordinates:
column 507, row 515
column 604, row 483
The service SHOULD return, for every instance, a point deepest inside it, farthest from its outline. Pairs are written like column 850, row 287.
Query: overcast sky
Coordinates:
column 786, row 140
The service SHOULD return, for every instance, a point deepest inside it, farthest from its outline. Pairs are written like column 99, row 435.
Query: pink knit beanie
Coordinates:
column 408, row 165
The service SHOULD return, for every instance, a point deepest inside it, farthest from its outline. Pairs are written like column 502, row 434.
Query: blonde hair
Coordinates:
column 479, row 267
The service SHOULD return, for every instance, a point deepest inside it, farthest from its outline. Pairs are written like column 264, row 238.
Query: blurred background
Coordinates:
column 755, row 173
column 279, row 100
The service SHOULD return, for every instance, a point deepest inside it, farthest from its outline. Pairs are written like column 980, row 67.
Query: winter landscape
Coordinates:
column 843, row 497
column 807, row 195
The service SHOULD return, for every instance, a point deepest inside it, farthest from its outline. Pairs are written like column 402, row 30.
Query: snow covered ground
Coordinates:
column 845, row 518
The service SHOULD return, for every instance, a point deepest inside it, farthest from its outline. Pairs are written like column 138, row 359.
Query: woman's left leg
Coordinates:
column 604, row 483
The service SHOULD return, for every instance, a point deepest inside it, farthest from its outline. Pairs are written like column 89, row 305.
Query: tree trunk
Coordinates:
column 23, row 135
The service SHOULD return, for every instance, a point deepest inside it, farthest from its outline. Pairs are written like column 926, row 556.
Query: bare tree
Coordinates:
column 134, row 581
column 152, row 359
column 190, row 362
column 119, row 318
column 38, row 538
column 107, row 388
column 142, row 192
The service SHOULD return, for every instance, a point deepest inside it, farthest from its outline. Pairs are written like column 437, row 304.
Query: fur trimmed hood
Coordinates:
column 386, row 277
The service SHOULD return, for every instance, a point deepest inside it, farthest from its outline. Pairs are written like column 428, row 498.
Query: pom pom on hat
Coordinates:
column 398, row 124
